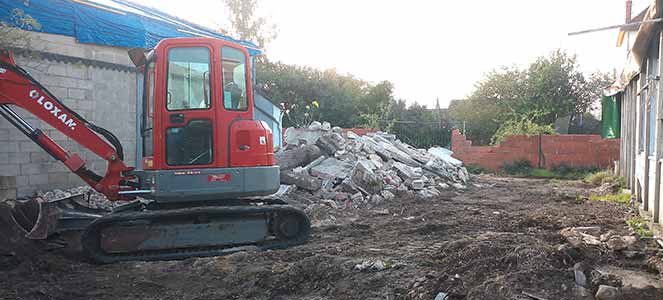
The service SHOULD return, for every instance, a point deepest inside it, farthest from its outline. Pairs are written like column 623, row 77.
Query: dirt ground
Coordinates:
column 499, row 239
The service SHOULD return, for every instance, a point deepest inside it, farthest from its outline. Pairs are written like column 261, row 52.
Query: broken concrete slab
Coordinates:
column 406, row 172
column 301, row 180
column 314, row 163
column 331, row 168
column 364, row 177
column 445, row 154
column 415, row 184
column 300, row 156
column 357, row 198
column 351, row 135
column 387, row 195
column 331, row 143
column 295, row 136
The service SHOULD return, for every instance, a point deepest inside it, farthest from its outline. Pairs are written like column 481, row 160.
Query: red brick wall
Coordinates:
column 581, row 150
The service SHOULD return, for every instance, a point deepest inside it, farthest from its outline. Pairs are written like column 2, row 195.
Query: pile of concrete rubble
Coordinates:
column 348, row 168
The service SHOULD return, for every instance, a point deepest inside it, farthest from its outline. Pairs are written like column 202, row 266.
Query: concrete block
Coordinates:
column 10, row 169
column 4, row 158
column 77, row 71
column 38, row 179
column 61, row 81
column 74, row 180
column 40, row 157
column 22, row 180
column 9, row 147
column 103, row 55
column 76, row 51
column 58, row 179
column 32, row 169
column 26, row 191
column 29, row 146
column 59, row 92
column 7, row 182
column 85, row 105
column 86, row 84
column 74, row 93
column 57, row 69
column 56, row 167
column 4, row 135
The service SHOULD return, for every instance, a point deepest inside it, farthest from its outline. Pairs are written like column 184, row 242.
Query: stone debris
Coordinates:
column 365, row 170
column 606, row 292
column 93, row 199
column 374, row 265
column 579, row 237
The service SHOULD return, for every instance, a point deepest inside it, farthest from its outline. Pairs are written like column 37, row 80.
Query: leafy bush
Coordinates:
column 567, row 172
column 524, row 126
column 521, row 167
column 600, row 178
column 639, row 225
column 475, row 169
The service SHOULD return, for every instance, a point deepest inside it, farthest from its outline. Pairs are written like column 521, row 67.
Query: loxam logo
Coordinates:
column 50, row 107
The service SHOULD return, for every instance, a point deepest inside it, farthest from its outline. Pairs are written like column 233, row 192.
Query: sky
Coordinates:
column 429, row 49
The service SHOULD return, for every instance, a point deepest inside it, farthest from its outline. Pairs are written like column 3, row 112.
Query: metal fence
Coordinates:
column 423, row 134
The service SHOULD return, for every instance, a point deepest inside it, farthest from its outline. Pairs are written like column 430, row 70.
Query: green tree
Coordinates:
column 549, row 88
column 247, row 25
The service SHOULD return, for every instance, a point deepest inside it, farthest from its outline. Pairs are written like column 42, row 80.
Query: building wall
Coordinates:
column 642, row 132
column 97, row 82
column 550, row 151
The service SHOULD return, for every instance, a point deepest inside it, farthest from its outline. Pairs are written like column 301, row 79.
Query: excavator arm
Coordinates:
column 19, row 88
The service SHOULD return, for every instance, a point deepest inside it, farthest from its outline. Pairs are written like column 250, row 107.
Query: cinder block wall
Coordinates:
column 97, row 82
column 581, row 150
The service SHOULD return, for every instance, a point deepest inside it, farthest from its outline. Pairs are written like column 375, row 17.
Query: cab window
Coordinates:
column 188, row 79
column 234, row 79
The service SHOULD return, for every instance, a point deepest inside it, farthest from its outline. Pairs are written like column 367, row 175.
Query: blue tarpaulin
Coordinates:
column 126, row 24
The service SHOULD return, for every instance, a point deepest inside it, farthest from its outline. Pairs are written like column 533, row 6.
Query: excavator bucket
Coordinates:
column 36, row 219
column 15, row 216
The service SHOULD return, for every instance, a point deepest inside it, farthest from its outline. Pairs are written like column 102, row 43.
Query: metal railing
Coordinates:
column 422, row 134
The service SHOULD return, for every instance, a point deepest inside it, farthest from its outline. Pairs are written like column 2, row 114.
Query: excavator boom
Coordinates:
column 19, row 88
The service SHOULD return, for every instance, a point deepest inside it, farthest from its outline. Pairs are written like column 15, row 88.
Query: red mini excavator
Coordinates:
column 204, row 157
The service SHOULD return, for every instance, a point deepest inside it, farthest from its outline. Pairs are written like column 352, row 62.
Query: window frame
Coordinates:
column 211, row 67
column 246, row 80
column 166, row 152
column 149, row 90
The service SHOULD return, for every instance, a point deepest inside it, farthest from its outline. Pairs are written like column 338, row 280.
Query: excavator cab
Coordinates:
column 204, row 159
column 199, row 140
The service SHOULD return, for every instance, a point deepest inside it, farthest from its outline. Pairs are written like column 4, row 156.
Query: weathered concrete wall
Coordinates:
column 570, row 150
column 97, row 82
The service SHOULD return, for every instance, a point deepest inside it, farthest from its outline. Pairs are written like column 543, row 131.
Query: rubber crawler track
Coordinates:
column 91, row 237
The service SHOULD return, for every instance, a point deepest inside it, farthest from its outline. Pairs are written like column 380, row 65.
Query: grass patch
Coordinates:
column 474, row 169
column 600, row 178
column 518, row 168
column 622, row 198
column 639, row 225
column 524, row 168
column 543, row 173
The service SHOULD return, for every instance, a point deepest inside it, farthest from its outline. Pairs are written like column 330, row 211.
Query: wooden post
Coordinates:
column 658, row 135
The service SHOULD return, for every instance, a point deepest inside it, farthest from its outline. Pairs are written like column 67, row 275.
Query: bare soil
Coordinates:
column 497, row 240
